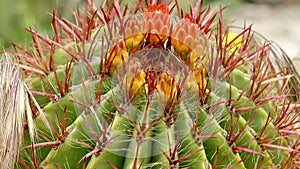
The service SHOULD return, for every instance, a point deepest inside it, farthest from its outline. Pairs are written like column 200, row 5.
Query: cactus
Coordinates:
column 157, row 85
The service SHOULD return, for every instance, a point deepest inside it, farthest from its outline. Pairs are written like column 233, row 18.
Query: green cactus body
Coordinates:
column 132, row 89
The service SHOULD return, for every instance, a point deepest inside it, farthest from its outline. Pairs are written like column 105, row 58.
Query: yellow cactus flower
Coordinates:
column 166, row 87
column 197, row 77
column 134, row 77
column 233, row 40
column 116, row 55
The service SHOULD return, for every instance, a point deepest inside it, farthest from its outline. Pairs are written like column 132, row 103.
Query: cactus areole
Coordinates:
column 156, row 85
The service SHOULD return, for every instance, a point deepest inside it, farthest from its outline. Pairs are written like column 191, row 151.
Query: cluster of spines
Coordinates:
column 245, row 127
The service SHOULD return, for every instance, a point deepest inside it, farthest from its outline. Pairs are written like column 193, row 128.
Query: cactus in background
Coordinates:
column 157, row 86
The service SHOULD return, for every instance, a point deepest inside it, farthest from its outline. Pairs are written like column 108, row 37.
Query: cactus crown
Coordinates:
column 157, row 86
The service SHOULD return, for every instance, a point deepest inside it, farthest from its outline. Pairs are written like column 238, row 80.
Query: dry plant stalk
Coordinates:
column 13, row 107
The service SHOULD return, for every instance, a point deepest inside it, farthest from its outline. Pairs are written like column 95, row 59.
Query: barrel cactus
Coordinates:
column 156, row 85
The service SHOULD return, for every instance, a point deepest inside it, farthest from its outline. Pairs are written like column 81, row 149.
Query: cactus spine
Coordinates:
column 158, row 86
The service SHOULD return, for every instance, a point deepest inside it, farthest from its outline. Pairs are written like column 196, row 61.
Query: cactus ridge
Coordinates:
column 158, row 86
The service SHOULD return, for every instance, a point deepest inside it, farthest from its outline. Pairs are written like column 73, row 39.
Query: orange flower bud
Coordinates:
column 133, row 33
column 157, row 23
column 186, row 41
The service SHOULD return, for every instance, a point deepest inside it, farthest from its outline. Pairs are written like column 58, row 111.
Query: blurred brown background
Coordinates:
column 279, row 22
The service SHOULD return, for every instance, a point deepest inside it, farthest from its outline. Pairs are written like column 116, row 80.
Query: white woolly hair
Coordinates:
column 14, row 107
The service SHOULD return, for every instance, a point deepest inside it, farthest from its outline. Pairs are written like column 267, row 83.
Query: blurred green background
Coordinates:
column 17, row 14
